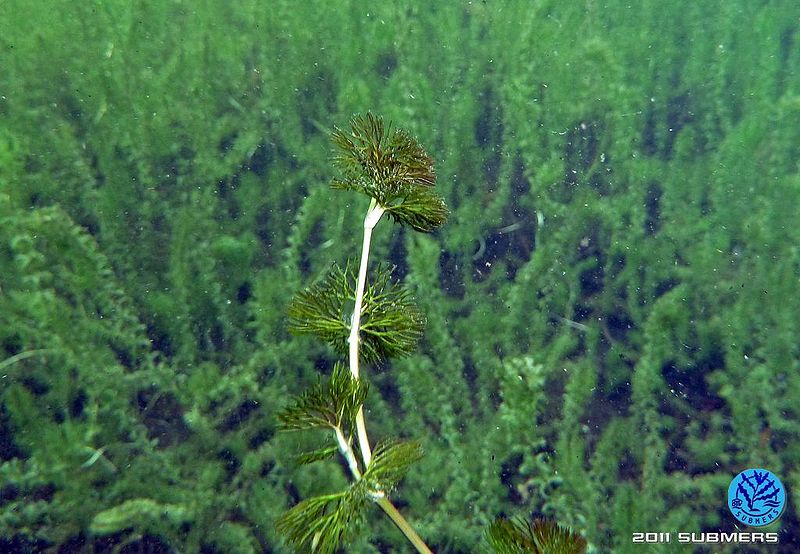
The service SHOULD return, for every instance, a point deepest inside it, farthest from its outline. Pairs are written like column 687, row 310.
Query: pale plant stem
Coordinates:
column 347, row 452
column 374, row 214
column 22, row 355
column 403, row 525
column 363, row 439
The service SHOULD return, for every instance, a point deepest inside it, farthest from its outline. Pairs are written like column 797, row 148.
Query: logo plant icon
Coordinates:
column 756, row 497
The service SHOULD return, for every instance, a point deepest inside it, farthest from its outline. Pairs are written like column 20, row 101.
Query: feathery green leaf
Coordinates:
column 537, row 537
column 551, row 537
column 390, row 462
column 420, row 208
column 333, row 403
column 321, row 309
column 391, row 324
column 391, row 167
column 317, row 455
column 508, row 537
column 320, row 524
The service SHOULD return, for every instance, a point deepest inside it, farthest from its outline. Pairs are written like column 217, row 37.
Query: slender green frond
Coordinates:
column 552, row 537
column 317, row 455
column 391, row 324
column 391, row 167
column 321, row 309
column 389, row 159
column 420, row 208
column 390, row 462
column 322, row 523
column 537, row 537
column 509, row 537
column 333, row 403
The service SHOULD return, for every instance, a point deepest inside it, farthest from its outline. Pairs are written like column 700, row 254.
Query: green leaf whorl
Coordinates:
column 391, row 167
column 322, row 523
column 321, row 309
column 333, row 403
column 391, row 324
column 390, row 462
column 537, row 537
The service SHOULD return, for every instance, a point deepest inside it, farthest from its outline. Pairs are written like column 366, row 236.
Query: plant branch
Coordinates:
column 396, row 173
column 374, row 214
column 347, row 452
column 403, row 525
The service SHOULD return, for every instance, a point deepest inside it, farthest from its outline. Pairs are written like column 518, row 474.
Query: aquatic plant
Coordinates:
column 538, row 536
column 366, row 320
column 372, row 319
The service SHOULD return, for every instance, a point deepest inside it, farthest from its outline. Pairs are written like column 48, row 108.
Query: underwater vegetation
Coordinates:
column 365, row 318
column 610, row 310
column 371, row 319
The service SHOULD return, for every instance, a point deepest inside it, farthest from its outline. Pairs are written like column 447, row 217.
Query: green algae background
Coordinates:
column 612, row 307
